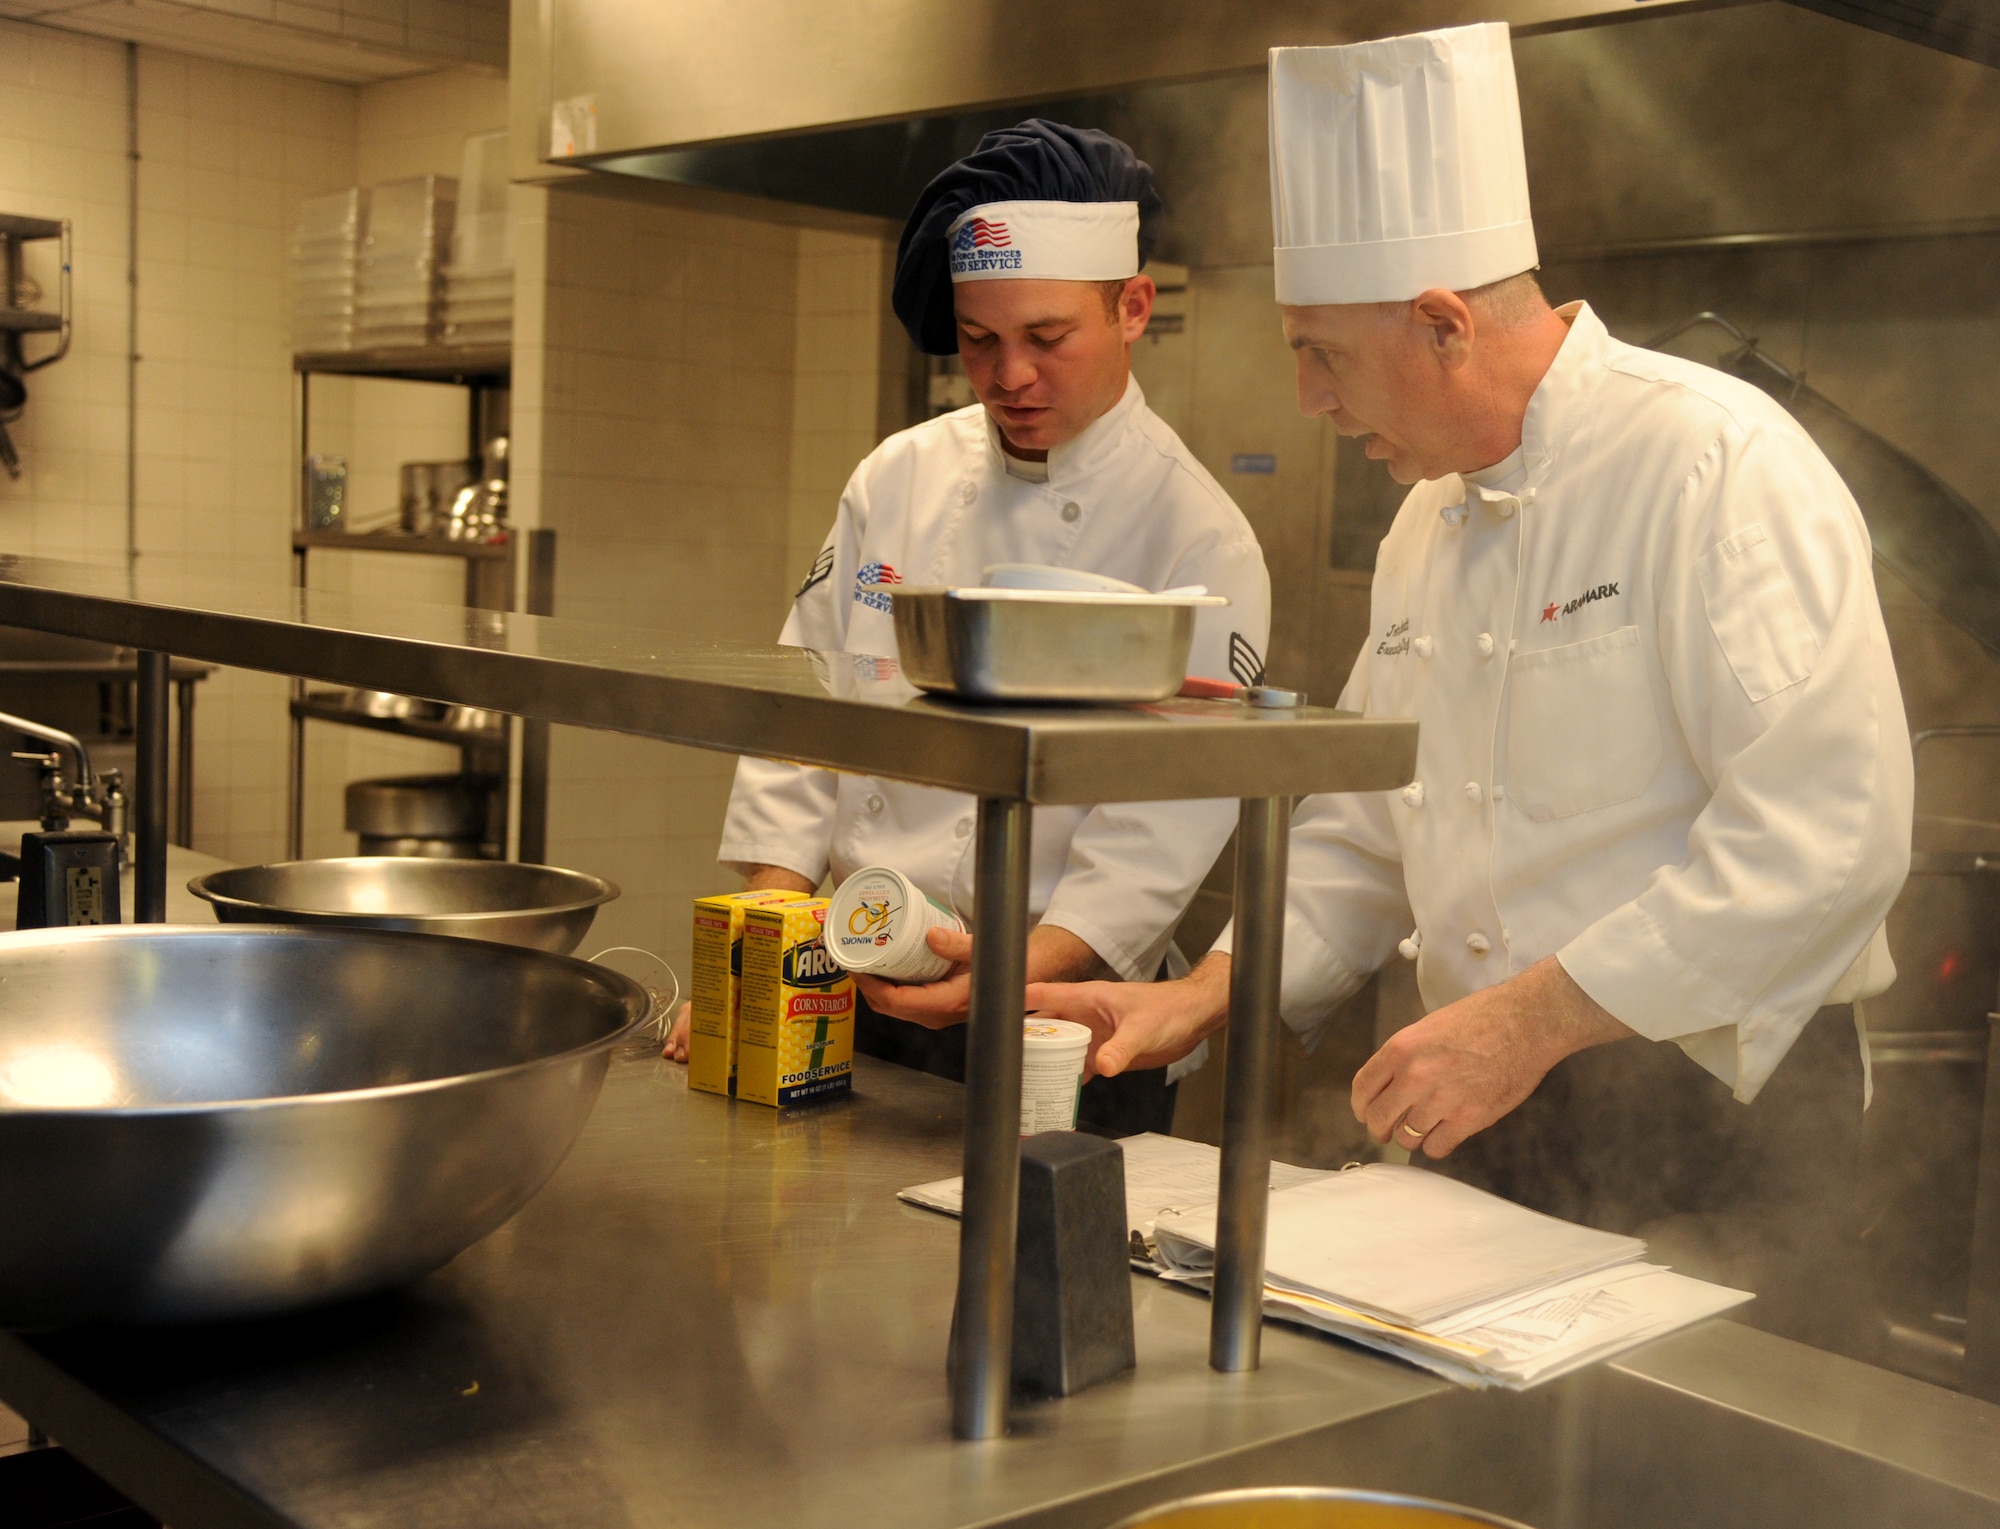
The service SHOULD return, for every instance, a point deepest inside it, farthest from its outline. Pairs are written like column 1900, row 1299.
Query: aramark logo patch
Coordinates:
column 1555, row 611
column 875, row 573
column 981, row 245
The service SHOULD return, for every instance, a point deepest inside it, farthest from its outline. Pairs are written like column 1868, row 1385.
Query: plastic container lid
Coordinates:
column 1055, row 1037
column 877, row 921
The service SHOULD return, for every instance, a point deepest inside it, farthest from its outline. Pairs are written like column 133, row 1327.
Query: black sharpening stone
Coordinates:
column 1072, row 1275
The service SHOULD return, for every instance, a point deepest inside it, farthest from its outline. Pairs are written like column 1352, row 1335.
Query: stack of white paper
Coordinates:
column 1162, row 1174
column 1470, row 1286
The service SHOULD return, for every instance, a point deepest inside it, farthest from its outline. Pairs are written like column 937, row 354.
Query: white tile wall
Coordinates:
column 691, row 391
column 837, row 363
column 403, row 128
column 653, row 407
column 225, row 151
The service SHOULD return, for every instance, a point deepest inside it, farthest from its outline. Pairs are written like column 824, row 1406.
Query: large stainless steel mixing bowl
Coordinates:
column 504, row 900
column 201, row 1122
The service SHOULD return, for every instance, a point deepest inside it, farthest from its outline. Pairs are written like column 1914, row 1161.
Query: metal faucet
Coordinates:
column 101, row 798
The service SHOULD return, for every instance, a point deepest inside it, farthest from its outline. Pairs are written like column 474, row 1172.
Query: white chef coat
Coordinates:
column 935, row 504
column 1661, row 735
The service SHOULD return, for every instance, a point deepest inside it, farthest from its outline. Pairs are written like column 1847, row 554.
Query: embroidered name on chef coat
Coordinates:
column 1555, row 611
column 1395, row 641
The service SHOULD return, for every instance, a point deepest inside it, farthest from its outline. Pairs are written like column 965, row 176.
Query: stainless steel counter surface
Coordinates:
column 717, row 1315
column 834, row 709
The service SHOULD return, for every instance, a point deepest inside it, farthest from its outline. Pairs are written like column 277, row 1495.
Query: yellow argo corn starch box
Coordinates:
column 795, row 1037
column 713, row 985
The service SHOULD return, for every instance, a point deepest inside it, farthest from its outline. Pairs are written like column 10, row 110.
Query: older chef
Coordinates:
column 1663, row 786
column 1023, row 259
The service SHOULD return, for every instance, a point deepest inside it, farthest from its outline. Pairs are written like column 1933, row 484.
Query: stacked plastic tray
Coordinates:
column 325, row 257
column 398, row 292
column 479, row 282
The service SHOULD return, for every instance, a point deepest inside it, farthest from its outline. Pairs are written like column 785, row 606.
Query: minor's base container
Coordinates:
column 877, row 924
column 795, row 1028
column 714, row 982
column 1052, row 1058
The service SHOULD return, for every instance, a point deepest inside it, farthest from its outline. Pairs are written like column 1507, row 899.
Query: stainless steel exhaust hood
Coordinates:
column 1969, row 28
column 602, row 78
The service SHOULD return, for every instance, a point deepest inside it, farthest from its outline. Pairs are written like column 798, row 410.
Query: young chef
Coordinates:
column 1663, row 784
column 1024, row 259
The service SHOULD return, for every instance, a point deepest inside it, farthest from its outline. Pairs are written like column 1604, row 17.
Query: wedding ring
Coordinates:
column 1412, row 1132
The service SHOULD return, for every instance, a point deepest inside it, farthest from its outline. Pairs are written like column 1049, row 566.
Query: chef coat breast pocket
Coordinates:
column 1582, row 732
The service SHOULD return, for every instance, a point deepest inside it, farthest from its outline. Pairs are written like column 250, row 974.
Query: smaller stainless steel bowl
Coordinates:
column 985, row 644
column 540, row 906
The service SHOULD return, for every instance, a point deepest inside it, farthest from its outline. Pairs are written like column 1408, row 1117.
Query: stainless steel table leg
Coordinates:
column 184, row 764
column 983, row 1356
column 295, row 782
column 1235, row 1324
column 1982, row 1325
column 149, row 816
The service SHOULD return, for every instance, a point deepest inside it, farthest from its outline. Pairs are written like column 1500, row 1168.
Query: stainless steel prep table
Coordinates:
column 718, row 1315
column 846, row 712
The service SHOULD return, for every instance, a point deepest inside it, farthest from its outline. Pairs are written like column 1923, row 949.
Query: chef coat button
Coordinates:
column 1507, row 506
column 1477, row 943
column 1527, row 496
column 1506, row 937
column 1413, row 794
column 1499, row 792
column 1071, row 510
column 875, row 805
column 1408, row 948
column 1484, row 643
column 1472, row 791
column 1453, row 515
column 967, row 492
column 1421, row 646
column 962, row 828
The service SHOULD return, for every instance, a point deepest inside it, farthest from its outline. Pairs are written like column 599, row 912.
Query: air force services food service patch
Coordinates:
column 875, row 573
column 983, row 245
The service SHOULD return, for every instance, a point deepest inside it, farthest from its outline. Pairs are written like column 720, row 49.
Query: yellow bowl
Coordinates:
column 1310, row 1508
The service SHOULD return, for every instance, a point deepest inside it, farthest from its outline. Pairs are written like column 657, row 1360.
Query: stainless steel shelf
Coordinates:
column 14, row 225
column 414, row 363
column 29, row 321
column 831, row 709
column 399, row 541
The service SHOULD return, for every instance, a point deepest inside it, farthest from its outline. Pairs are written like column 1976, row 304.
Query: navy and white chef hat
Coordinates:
column 1038, row 201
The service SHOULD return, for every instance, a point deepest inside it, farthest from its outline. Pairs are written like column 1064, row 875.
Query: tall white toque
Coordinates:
column 1045, row 241
column 1397, row 166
